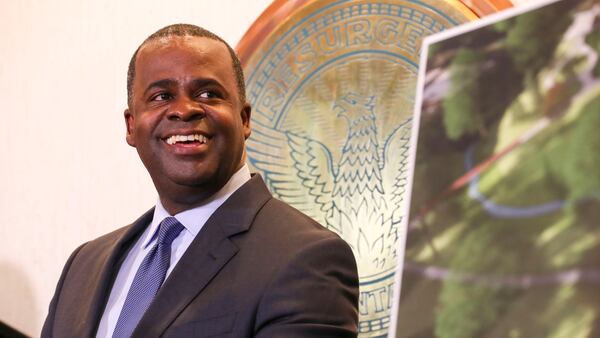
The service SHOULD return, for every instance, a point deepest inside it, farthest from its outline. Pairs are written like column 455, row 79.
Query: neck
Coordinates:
column 179, row 198
column 186, row 198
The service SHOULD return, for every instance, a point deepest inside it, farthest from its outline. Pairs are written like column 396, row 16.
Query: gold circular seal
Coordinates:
column 332, row 86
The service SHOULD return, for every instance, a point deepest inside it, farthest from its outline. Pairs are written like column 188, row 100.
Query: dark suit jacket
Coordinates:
column 258, row 268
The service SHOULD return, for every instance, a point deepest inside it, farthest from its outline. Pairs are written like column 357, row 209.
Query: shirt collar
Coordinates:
column 193, row 219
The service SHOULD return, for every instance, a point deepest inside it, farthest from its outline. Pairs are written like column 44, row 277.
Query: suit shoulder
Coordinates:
column 285, row 223
column 280, row 210
column 125, row 233
column 106, row 240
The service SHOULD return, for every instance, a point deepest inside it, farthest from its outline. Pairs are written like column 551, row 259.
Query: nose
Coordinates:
column 184, row 109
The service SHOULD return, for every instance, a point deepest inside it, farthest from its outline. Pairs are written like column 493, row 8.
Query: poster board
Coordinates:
column 503, row 235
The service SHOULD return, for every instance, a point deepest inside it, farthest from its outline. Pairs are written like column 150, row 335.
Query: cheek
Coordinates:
column 224, row 122
column 146, row 124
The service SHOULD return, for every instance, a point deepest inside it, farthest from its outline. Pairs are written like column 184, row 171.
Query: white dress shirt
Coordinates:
column 193, row 220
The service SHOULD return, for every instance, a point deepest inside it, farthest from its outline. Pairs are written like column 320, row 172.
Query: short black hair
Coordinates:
column 182, row 29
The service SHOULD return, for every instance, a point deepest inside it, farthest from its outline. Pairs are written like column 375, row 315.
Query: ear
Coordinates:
column 130, row 125
column 246, row 112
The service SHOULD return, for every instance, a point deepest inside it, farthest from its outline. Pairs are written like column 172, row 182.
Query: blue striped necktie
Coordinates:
column 148, row 279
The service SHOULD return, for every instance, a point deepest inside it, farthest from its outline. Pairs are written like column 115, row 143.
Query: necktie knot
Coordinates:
column 168, row 230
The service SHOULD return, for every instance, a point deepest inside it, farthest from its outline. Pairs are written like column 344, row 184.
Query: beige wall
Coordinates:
column 66, row 173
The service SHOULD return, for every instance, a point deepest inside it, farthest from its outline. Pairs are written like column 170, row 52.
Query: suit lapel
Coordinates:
column 113, row 256
column 210, row 251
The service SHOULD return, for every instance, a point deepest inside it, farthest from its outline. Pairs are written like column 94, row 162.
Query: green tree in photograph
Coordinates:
column 461, row 105
column 471, row 110
column 581, row 160
column 532, row 38
column 467, row 308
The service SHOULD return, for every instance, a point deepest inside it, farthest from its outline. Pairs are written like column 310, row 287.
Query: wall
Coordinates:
column 66, row 173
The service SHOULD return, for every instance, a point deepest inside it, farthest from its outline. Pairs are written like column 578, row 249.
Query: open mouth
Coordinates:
column 186, row 139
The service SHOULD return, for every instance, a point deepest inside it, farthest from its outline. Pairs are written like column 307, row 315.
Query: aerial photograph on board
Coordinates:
column 503, row 236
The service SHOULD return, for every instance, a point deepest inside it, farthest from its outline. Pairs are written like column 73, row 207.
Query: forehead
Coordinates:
column 183, row 56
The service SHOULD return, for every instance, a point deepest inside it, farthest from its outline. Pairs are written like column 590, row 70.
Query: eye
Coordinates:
column 207, row 94
column 161, row 97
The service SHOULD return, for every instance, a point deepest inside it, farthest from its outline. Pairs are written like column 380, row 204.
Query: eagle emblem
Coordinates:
column 357, row 195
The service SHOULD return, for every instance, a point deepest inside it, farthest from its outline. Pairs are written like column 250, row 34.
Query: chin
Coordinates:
column 176, row 178
column 192, row 180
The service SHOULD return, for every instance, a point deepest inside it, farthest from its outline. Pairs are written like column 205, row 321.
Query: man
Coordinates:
column 233, row 261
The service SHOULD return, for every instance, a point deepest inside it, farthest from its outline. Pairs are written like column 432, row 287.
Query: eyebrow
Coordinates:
column 164, row 83
column 206, row 82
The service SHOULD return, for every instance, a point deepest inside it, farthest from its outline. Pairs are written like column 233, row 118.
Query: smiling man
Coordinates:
column 217, row 256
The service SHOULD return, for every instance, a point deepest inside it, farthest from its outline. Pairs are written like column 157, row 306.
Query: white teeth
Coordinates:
column 183, row 138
